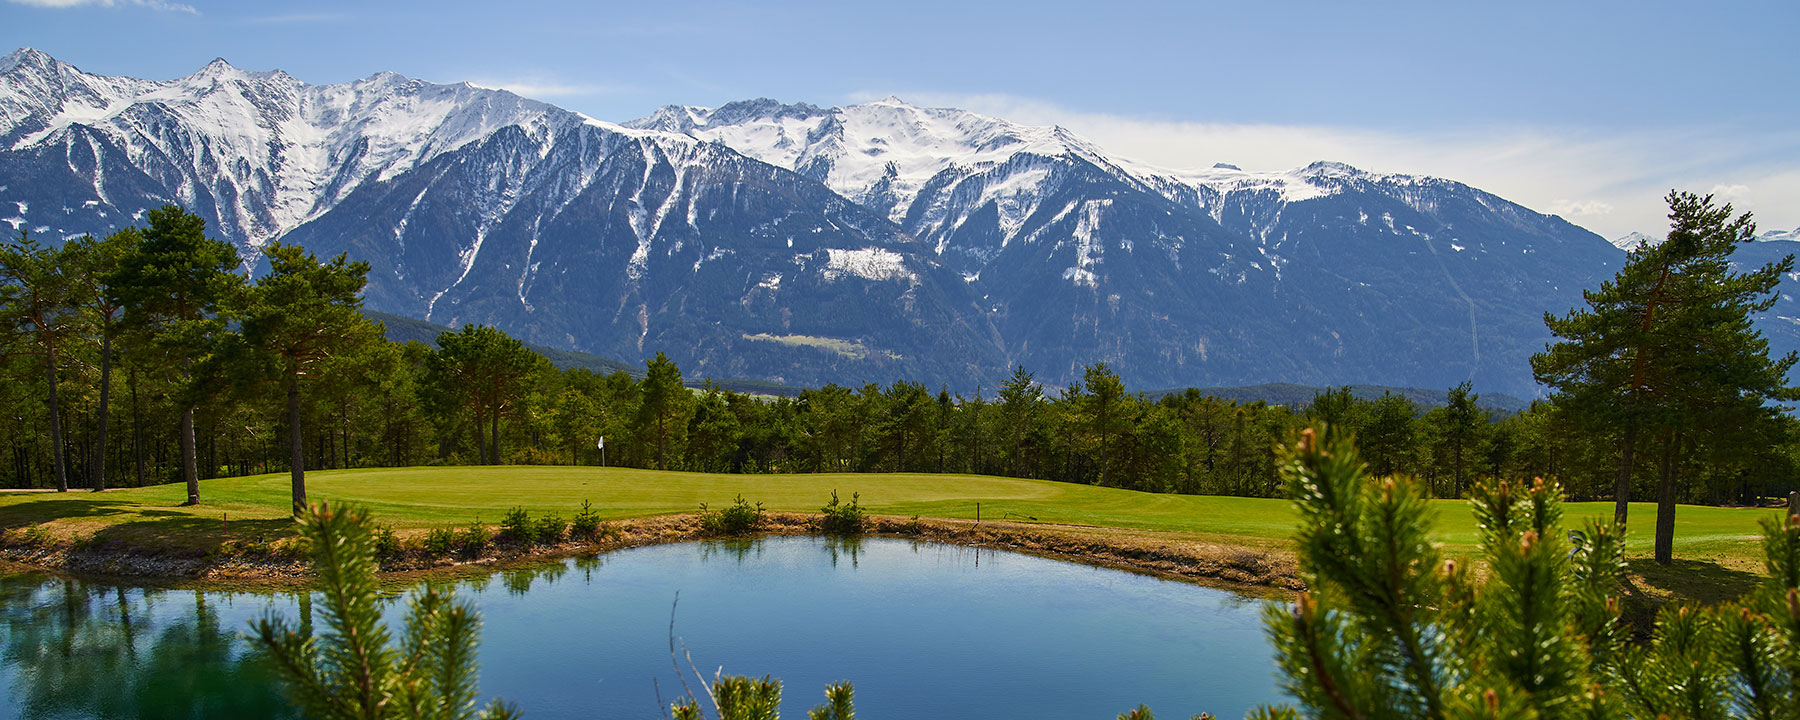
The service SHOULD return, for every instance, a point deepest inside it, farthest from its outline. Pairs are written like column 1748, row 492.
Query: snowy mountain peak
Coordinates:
column 270, row 150
column 1780, row 236
column 1633, row 240
column 26, row 57
column 1329, row 168
column 881, row 153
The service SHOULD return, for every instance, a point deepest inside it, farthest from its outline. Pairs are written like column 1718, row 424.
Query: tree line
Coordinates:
column 224, row 375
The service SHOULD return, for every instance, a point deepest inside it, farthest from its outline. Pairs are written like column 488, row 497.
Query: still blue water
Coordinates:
column 924, row 631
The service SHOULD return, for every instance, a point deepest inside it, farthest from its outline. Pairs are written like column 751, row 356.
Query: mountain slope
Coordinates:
column 1321, row 274
column 476, row 205
column 805, row 245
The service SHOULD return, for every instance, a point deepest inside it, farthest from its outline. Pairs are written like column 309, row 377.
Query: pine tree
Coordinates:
column 91, row 263
column 37, row 293
column 1458, row 427
column 1668, row 345
column 662, row 407
column 175, row 289
column 488, row 373
column 1021, row 409
column 301, row 314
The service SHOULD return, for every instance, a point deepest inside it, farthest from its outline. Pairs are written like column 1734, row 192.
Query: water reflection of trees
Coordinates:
column 736, row 549
column 846, row 547
column 81, row 650
column 518, row 581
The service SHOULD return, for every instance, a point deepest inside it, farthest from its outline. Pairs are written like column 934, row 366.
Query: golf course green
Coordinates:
column 424, row 497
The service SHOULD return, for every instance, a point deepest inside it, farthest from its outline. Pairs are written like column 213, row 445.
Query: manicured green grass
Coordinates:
column 428, row 496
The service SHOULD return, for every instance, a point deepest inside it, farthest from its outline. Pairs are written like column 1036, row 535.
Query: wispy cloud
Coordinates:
column 540, row 88
column 151, row 4
column 295, row 19
column 1609, row 181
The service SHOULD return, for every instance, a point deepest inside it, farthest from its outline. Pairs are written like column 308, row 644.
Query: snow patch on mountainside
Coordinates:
column 867, row 263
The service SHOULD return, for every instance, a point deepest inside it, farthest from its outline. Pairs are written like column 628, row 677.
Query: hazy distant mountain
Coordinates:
column 803, row 244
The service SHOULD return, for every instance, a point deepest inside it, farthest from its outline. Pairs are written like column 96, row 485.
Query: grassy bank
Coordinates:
column 1717, row 547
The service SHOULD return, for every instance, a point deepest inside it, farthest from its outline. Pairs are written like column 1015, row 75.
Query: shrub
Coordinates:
column 473, row 539
column 516, row 526
column 843, row 519
column 586, row 525
column 549, row 529
column 387, row 544
column 440, row 541
column 738, row 519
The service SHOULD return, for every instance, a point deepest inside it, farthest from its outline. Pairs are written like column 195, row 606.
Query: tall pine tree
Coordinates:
column 1666, row 348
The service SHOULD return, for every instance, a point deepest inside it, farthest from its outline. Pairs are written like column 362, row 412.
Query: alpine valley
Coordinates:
column 806, row 245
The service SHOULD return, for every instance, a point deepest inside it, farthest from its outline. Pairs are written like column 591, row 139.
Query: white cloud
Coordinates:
column 1730, row 193
column 1580, row 208
column 294, row 19
column 151, row 4
column 1609, row 181
column 542, row 88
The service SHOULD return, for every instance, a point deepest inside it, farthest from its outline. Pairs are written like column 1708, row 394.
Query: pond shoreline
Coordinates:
column 1246, row 570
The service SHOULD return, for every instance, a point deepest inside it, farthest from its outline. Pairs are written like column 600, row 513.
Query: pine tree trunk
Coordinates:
column 494, row 437
column 296, row 444
column 190, row 470
column 662, row 446
column 137, row 425
column 56, row 438
column 480, row 437
column 1622, row 491
column 99, row 468
column 1665, row 504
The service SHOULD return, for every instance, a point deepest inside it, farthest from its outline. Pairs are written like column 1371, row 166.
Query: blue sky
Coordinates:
column 1592, row 110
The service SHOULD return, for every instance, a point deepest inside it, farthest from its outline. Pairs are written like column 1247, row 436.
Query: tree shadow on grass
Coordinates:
column 186, row 535
column 1650, row 586
column 42, row 511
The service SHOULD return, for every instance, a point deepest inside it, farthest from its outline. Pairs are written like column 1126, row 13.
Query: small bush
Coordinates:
column 387, row 544
column 586, row 525
column 841, row 518
column 517, row 527
column 738, row 519
column 473, row 539
column 549, row 529
column 440, row 541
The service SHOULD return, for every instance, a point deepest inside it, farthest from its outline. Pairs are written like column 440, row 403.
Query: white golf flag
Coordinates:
column 602, row 443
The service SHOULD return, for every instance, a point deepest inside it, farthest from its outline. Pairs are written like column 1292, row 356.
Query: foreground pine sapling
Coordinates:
column 1385, row 630
column 353, row 670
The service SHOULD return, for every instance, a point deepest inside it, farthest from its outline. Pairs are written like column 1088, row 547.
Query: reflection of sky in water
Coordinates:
column 925, row 631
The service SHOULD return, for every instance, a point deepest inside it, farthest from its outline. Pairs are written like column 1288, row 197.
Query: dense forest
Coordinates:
column 112, row 349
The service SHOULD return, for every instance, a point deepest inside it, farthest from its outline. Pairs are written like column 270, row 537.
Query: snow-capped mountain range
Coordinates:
column 870, row 242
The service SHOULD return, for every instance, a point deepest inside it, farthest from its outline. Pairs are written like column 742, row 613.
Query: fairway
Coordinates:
column 421, row 497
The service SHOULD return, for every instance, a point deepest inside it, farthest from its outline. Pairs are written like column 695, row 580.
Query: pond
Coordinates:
column 925, row 631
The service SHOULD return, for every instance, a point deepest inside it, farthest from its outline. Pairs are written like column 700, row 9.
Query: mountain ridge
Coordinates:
column 802, row 244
